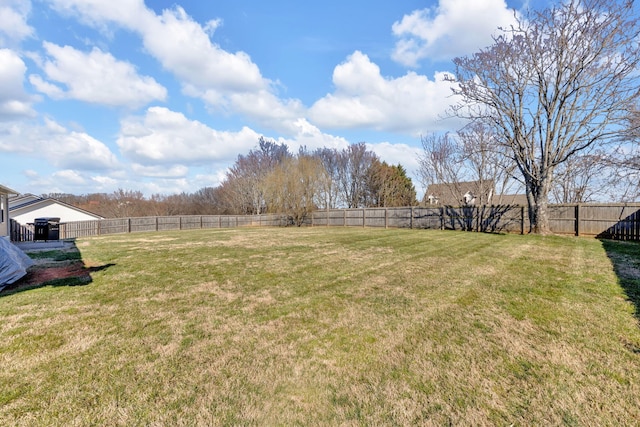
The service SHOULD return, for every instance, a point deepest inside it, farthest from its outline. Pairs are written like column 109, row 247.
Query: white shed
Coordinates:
column 26, row 208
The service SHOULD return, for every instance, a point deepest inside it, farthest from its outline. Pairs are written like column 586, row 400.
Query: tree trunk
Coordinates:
column 538, row 208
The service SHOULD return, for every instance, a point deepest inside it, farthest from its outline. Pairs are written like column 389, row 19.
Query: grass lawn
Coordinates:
column 328, row 326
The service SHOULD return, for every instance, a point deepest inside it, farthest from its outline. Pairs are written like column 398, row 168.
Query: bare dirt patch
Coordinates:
column 39, row 275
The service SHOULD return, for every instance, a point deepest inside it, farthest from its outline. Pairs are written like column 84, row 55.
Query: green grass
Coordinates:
column 328, row 326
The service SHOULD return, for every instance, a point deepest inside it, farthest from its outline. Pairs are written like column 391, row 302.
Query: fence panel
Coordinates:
column 72, row 230
column 19, row 232
column 375, row 217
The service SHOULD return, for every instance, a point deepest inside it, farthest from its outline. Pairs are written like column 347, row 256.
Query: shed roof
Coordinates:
column 28, row 202
column 7, row 190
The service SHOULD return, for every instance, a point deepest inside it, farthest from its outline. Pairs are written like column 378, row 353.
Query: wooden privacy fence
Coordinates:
column 19, row 232
column 166, row 223
column 613, row 221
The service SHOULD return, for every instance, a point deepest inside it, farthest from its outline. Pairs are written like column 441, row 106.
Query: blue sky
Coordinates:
column 161, row 96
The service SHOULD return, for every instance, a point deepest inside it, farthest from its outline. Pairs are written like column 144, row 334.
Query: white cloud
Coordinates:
column 184, row 47
column 95, row 77
column 13, row 15
column 100, row 13
column 454, row 28
column 225, row 81
column 307, row 135
column 177, row 171
column 57, row 145
column 79, row 150
column 14, row 102
column 167, row 137
column 69, row 177
column 363, row 98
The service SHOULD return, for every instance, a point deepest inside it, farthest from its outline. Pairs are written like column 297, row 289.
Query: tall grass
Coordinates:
column 325, row 326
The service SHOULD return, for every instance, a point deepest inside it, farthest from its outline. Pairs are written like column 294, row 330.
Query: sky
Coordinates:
column 161, row 96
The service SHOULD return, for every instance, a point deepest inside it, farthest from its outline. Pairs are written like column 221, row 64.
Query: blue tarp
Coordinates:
column 13, row 263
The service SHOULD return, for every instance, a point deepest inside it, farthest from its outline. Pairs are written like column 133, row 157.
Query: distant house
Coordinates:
column 26, row 208
column 460, row 193
column 470, row 193
column 5, row 192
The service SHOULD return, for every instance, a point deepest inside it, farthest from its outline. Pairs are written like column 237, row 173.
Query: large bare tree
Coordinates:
column 559, row 81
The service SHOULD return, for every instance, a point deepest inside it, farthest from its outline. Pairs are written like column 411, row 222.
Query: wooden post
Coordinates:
column 344, row 219
column 386, row 218
column 364, row 217
column 442, row 218
column 522, row 220
column 411, row 220
column 578, row 219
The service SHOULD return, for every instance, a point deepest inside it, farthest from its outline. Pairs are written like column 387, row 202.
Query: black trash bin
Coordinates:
column 46, row 229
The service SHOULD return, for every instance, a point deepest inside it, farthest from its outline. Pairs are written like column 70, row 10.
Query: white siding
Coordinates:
column 28, row 214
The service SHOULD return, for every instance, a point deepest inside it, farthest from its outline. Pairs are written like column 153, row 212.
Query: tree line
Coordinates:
column 272, row 179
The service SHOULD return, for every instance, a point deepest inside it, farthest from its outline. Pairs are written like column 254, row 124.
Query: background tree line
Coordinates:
column 271, row 179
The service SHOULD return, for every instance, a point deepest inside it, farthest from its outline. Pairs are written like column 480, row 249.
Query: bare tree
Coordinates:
column 488, row 162
column 582, row 178
column 470, row 155
column 126, row 203
column 245, row 182
column 558, row 82
column 330, row 190
column 353, row 164
column 440, row 163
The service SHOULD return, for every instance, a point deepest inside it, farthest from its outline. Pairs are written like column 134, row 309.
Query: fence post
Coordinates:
column 386, row 217
column 522, row 220
column 344, row 217
column 411, row 220
column 578, row 219
column 442, row 218
column 364, row 217
column 128, row 225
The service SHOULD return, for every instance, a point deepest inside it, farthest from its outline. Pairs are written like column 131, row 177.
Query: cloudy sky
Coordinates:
column 160, row 96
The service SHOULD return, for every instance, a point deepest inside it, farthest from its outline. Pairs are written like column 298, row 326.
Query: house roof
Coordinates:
column 452, row 194
column 510, row 199
column 7, row 190
column 27, row 202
